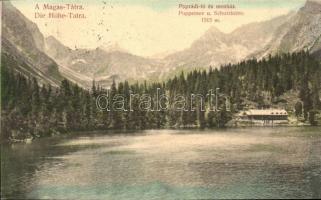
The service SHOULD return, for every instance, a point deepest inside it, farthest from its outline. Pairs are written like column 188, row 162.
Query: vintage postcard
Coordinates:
column 160, row 99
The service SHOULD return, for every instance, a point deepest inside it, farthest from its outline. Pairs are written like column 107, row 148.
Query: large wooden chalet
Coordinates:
column 263, row 115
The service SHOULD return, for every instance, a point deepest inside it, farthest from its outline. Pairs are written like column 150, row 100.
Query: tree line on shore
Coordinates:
column 29, row 109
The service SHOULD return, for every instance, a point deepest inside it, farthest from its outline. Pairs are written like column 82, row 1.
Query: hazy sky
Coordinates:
column 146, row 27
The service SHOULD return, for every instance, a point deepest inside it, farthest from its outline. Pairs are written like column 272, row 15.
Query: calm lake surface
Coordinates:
column 167, row 164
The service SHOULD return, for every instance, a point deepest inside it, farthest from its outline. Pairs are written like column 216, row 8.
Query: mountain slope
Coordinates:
column 301, row 32
column 22, row 44
column 295, row 31
column 305, row 31
column 215, row 48
column 99, row 64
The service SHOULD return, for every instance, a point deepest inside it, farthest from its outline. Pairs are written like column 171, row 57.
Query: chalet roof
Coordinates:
column 266, row 112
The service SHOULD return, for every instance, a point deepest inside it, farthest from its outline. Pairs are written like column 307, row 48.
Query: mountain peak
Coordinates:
column 213, row 30
column 114, row 47
column 212, row 33
column 312, row 6
column 314, row 1
column 53, row 40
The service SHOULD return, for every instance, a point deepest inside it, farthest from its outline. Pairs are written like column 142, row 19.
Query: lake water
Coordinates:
column 167, row 164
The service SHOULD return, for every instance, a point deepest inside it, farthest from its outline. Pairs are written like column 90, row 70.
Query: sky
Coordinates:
column 149, row 28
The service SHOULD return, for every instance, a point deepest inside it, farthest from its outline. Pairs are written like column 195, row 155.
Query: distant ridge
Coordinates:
column 49, row 60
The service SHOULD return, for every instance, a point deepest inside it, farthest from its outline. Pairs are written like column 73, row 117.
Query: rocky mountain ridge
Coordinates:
column 49, row 59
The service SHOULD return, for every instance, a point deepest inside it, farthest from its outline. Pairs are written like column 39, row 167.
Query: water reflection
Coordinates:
column 168, row 164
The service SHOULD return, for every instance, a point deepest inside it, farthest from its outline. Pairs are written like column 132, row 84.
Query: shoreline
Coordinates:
column 120, row 131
